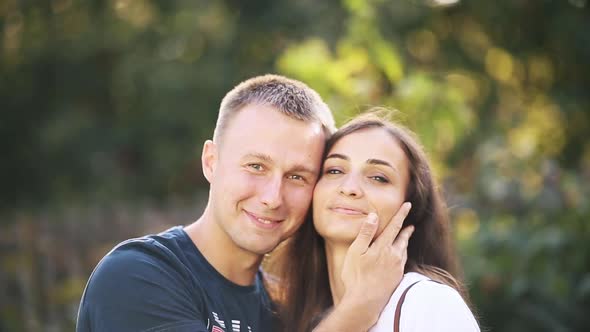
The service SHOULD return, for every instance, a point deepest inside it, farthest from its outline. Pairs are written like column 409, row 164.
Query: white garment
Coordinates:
column 429, row 306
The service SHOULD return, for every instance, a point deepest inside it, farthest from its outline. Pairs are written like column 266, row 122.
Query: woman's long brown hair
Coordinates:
column 300, row 263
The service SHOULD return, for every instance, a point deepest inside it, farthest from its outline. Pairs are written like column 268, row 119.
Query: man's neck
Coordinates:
column 335, row 253
column 234, row 263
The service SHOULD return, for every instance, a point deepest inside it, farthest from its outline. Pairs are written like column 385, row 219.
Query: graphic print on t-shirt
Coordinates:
column 235, row 324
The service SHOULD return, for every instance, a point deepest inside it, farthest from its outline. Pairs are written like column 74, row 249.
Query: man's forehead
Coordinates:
column 255, row 114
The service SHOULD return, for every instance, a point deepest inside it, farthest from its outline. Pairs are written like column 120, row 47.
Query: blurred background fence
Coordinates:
column 105, row 104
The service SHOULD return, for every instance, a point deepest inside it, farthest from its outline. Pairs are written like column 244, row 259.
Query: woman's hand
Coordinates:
column 371, row 272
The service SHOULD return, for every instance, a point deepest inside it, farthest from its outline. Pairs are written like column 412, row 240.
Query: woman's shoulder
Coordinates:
column 432, row 293
column 386, row 319
column 430, row 304
column 412, row 277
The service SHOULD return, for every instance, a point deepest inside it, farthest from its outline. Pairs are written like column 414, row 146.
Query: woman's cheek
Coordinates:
column 387, row 212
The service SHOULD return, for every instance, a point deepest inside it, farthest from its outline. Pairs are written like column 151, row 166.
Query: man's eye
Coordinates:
column 296, row 177
column 256, row 167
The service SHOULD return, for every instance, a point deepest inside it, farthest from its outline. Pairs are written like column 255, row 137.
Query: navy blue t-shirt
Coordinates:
column 163, row 283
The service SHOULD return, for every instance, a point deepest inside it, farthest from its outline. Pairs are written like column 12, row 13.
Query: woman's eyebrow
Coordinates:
column 337, row 156
column 381, row 162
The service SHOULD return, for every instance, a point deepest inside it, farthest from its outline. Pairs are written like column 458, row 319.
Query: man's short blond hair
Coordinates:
column 290, row 97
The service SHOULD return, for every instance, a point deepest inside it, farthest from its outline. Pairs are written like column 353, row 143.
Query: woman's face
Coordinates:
column 366, row 171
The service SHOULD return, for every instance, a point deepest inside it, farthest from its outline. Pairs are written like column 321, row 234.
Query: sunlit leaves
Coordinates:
column 312, row 61
column 388, row 60
column 541, row 130
column 423, row 45
column 110, row 99
column 492, row 99
column 499, row 64
column 138, row 13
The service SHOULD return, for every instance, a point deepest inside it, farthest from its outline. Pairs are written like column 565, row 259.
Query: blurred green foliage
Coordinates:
column 106, row 102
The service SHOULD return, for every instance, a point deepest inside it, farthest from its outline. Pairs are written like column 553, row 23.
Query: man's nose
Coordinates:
column 271, row 194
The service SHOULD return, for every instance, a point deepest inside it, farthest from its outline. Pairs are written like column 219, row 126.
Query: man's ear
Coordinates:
column 209, row 159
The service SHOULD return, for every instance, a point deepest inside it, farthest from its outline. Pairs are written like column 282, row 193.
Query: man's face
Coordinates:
column 262, row 176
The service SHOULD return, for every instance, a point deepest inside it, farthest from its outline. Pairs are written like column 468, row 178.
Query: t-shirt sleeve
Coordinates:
column 431, row 306
column 137, row 290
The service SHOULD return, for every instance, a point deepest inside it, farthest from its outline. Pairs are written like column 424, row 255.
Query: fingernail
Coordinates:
column 372, row 218
column 408, row 206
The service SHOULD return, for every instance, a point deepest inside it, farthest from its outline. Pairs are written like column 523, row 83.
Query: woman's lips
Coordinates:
column 348, row 211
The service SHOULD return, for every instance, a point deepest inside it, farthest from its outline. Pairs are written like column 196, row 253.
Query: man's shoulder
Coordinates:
column 156, row 257
column 135, row 280
column 162, row 245
column 170, row 239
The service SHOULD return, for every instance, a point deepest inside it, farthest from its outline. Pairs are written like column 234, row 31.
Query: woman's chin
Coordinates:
column 340, row 237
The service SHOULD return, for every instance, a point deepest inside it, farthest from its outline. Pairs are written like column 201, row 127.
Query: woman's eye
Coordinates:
column 333, row 171
column 379, row 178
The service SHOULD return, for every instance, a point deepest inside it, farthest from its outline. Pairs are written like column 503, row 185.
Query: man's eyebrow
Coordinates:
column 381, row 162
column 260, row 156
